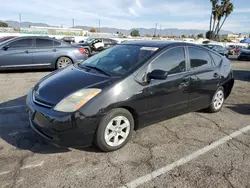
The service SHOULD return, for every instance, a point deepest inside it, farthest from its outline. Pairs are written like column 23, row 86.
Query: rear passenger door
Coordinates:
column 45, row 53
column 204, row 76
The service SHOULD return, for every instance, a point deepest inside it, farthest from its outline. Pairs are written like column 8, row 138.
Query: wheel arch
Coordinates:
column 134, row 114
column 228, row 86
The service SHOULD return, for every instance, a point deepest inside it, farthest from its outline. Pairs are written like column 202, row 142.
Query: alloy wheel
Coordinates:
column 218, row 99
column 117, row 131
column 63, row 62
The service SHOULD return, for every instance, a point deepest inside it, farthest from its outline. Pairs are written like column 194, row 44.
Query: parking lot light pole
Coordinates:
column 20, row 20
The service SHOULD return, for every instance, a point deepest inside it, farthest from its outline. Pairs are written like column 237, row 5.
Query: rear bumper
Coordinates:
column 61, row 129
column 78, row 57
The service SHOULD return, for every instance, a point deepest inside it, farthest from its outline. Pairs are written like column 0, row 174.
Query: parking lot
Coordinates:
column 193, row 150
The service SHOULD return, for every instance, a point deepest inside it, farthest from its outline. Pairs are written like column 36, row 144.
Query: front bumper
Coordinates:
column 61, row 129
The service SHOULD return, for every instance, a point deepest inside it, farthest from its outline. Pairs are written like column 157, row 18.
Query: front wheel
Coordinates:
column 217, row 101
column 63, row 62
column 115, row 130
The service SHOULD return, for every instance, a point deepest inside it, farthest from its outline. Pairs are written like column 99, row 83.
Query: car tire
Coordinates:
column 217, row 101
column 63, row 62
column 87, row 52
column 115, row 130
column 239, row 58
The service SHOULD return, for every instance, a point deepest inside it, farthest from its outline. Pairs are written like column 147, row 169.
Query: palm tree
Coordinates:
column 216, row 15
column 214, row 3
column 227, row 11
column 220, row 14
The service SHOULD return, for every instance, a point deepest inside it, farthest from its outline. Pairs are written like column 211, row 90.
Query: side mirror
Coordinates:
column 158, row 75
column 6, row 47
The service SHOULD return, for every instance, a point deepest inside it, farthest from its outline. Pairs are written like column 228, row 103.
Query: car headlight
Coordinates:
column 76, row 100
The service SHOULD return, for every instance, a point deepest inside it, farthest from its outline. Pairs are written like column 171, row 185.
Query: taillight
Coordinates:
column 81, row 50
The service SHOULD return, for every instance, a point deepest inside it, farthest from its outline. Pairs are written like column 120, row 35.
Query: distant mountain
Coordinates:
column 143, row 31
column 16, row 24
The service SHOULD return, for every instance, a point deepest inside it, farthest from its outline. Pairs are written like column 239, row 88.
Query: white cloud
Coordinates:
column 138, row 3
column 132, row 11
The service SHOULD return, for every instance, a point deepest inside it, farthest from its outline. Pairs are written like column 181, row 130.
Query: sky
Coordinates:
column 125, row 14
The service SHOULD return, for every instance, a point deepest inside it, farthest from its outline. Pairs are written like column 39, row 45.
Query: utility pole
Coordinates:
column 155, row 29
column 20, row 20
column 73, row 22
column 160, row 30
column 99, row 26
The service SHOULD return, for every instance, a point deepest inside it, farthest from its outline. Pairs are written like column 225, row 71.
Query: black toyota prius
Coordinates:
column 134, row 84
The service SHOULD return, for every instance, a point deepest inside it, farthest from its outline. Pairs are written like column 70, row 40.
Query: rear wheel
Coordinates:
column 115, row 130
column 87, row 52
column 217, row 101
column 63, row 62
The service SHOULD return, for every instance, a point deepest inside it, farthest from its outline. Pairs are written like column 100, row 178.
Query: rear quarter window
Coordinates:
column 199, row 58
column 216, row 58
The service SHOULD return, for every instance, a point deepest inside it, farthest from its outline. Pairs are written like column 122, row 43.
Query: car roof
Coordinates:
column 160, row 44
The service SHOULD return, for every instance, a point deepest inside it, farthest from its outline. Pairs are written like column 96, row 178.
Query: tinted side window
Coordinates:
column 44, row 43
column 199, row 59
column 172, row 61
column 21, row 43
column 57, row 43
column 217, row 59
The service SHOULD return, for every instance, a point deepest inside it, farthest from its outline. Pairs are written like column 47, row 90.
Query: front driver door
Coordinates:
column 167, row 98
column 18, row 55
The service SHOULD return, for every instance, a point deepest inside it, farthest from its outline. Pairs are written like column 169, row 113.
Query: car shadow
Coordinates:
column 26, row 70
column 243, row 75
column 16, row 131
column 243, row 109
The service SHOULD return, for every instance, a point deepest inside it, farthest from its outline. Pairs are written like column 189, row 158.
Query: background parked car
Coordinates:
column 234, row 49
column 38, row 52
column 69, row 40
column 244, row 54
column 97, row 44
column 2, row 39
column 218, row 48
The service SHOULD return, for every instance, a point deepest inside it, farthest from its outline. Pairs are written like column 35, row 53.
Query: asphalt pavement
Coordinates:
column 193, row 150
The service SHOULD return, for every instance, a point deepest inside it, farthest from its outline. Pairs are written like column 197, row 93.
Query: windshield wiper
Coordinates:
column 98, row 69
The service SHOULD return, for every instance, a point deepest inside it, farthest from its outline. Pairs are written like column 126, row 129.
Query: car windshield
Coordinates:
column 120, row 59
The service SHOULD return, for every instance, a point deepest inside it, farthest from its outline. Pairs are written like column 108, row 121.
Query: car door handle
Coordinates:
column 185, row 82
column 54, row 50
column 26, row 51
column 216, row 75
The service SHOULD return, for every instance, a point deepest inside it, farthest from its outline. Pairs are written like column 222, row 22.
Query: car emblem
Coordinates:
column 37, row 92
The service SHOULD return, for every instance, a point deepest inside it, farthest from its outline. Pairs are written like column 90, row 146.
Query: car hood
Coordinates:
column 56, row 86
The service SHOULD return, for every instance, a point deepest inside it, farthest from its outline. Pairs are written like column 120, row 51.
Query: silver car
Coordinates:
column 39, row 53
